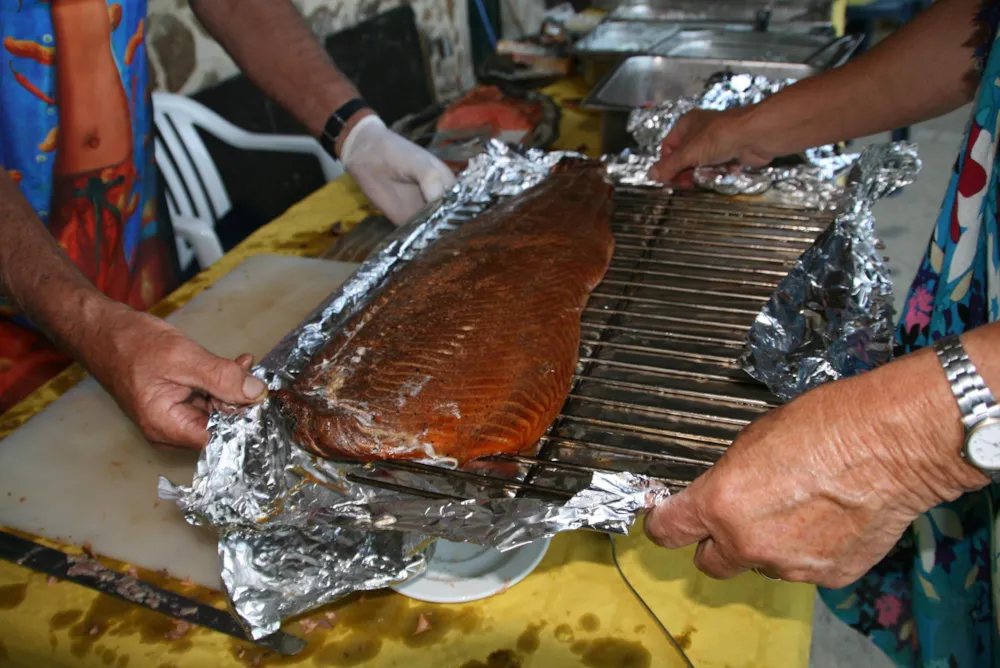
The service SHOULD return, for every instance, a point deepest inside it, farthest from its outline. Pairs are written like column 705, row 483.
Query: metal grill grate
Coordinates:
column 658, row 389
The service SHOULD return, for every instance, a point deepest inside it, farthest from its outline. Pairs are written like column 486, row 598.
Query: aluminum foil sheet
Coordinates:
column 831, row 317
column 295, row 531
column 811, row 182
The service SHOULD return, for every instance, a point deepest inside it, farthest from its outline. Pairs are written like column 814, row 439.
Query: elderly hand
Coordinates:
column 822, row 488
column 709, row 138
column 398, row 176
column 165, row 382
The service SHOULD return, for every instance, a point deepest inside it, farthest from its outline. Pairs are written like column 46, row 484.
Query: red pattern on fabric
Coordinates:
column 88, row 221
column 971, row 180
column 27, row 361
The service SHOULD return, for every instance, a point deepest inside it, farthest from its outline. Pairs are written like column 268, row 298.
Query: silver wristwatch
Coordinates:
column 980, row 412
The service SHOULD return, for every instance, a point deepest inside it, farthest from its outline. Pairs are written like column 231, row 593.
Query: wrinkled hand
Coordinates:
column 165, row 382
column 398, row 176
column 708, row 138
column 810, row 492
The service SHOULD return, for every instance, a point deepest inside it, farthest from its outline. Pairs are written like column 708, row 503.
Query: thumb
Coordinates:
column 435, row 179
column 226, row 380
column 675, row 523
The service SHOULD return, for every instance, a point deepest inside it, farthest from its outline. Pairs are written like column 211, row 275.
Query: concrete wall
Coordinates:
column 185, row 59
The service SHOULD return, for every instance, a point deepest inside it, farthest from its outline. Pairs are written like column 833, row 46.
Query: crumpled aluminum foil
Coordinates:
column 831, row 317
column 809, row 184
column 297, row 531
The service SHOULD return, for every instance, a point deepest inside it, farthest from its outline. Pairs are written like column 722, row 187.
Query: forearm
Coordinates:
column 274, row 47
column 913, row 419
column 925, row 69
column 38, row 276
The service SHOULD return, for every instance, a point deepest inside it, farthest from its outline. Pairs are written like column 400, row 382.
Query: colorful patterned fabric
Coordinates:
column 75, row 135
column 932, row 602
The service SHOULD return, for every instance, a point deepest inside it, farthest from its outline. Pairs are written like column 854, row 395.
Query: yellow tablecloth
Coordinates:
column 573, row 610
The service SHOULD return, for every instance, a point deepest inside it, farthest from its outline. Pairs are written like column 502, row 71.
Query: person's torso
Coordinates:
column 76, row 136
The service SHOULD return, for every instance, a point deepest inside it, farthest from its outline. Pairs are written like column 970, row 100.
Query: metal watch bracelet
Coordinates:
column 975, row 400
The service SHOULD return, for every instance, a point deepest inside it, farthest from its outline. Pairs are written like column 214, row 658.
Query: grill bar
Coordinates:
column 674, row 303
column 689, row 291
column 657, row 410
column 667, row 318
column 660, row 352
column 708, row 267
column 687, row 277
column 715, row 256
column 687, row 222
column 701, row 243
column 663, row 391
column 665, row 334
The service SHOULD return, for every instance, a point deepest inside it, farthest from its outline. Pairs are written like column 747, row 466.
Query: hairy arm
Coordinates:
column 821, row 489
column 162, row 380
column 38, row 276
column 274, row 47
column 270, row 41
column 923, row 70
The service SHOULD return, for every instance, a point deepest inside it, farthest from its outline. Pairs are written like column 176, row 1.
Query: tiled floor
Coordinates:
column 904, row 223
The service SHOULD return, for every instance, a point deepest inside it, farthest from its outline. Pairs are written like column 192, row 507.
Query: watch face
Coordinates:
column 983, row 445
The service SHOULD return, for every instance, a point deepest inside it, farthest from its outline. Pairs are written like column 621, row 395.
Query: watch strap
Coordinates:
column 975, row 400
column 337, row 122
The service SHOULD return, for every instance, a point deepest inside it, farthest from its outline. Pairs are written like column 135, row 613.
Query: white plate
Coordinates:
column 463, row 572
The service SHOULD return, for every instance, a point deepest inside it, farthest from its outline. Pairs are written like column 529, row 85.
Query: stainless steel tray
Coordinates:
column 749, row 46
column 648, row 80
column 645, row 80
column 623, row 38
column 812, row 12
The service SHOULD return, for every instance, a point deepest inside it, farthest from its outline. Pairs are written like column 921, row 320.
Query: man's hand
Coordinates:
column 708, row 138
column 398, row 176
column 822, row 488
column 165, row 382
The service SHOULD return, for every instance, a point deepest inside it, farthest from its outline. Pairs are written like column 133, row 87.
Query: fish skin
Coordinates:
column 470, row 349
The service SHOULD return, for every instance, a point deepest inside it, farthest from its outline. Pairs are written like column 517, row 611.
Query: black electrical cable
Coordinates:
column 649, row 611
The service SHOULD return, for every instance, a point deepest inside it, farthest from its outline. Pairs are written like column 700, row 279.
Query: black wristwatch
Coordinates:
column 338, row 120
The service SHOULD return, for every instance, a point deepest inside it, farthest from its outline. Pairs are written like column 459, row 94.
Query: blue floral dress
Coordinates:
column 932, row 602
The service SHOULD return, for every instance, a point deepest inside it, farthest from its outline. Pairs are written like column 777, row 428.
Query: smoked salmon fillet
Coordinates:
column 470, row 349
column 489, row 106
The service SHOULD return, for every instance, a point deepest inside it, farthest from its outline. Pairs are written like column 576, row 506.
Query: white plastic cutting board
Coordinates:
column 80, row 472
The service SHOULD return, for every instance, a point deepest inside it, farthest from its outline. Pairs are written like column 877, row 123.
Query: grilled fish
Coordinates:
column 470, row 349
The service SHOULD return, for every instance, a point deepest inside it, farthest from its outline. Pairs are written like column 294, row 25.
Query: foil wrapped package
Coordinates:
column 808, row 180
column 831, row 317
column 297, row 531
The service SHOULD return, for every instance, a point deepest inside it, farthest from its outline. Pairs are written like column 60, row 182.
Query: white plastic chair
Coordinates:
column 196, row 195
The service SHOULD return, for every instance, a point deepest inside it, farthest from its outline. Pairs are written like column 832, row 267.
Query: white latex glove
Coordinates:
column 398, row 176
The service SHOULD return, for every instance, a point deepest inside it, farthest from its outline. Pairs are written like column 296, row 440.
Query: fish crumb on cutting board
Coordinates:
column 470, row 349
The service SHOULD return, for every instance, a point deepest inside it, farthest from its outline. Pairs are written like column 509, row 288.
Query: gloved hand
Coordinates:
column 398, row 176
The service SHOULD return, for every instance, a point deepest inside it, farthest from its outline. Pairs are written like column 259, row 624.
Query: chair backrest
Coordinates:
column 194, row 185
column 195, row 190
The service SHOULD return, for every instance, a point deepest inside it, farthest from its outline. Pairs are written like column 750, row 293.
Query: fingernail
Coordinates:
column 254, row 388
column 654, row 174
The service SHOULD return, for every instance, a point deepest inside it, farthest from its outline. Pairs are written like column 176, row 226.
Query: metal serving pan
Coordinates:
column 622, row 38
column 647, row 80
column 750, row 46
column 611, row 42
column 814, row 12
